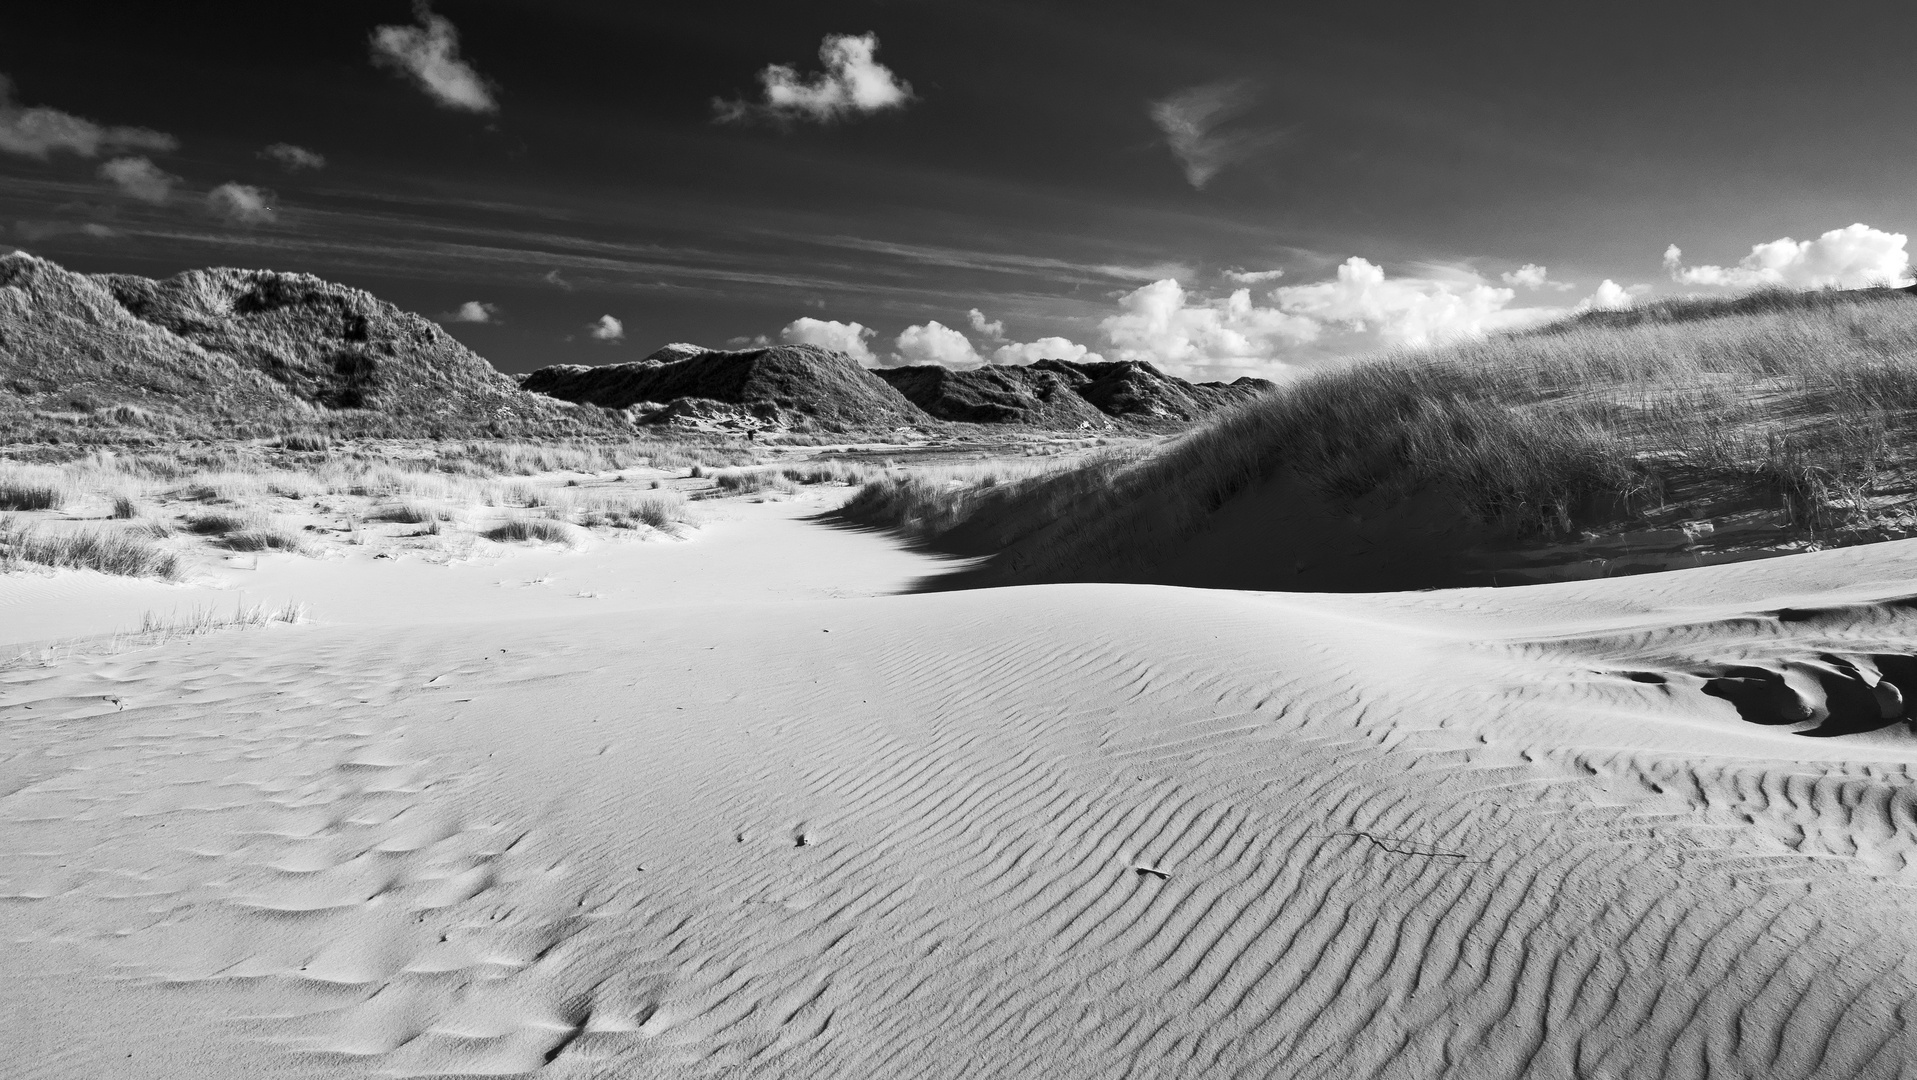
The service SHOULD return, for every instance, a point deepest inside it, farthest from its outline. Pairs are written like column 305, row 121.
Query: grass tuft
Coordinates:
column 538, row 530
column 109, row 551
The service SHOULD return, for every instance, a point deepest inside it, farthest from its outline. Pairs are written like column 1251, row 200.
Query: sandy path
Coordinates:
column 1066, row 831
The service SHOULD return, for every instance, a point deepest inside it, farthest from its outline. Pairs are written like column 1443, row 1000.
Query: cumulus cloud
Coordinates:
column 1194, row 120
column 608, row 329
column 429, row 55
column 852, row 84
column 39, row 132
column 848, row 338
column 1528, row 276
column 1163, row 324
column 1854, row 257
column 139, row 178
column 1045, row 348
column 993, row 329
column 1253, row 277
column 1405, row 310
column 241, row 204
column 473, row 311
column 1610, row 296
column 935, row 343
column 294, row 158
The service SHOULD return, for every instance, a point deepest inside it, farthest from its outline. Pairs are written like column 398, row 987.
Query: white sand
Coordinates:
column 751, row 812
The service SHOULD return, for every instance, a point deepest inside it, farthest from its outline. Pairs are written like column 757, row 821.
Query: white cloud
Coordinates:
column 1854, row 257
column 551, row 277
column 1045, row 348
column 848, row 338
column 936, row 343
column 241, row 204
column 852, row 84
column 608, row 329
column 473, row 311
column 1528, row 276
column 1610, row 296
column 429, row 53
column 1406, row 310
column 993, row 329
column 1162, row 324
column 1253, row 277
column 294, row 158
column 139, row 178
column 1191, row 120
column 39, row 132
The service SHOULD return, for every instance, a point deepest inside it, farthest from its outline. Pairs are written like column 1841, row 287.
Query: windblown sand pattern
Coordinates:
column 1061, row 831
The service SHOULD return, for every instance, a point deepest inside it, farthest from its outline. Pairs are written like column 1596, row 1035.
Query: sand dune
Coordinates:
column 1070, row 830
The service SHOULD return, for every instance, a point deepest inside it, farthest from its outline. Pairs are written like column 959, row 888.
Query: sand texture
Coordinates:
column 811, row 826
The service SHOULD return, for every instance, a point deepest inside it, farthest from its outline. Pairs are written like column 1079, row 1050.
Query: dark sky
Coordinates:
column 1054, row 166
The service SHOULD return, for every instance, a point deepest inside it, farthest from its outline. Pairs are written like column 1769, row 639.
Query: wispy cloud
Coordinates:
column 429, row 55
column 139, row 178
column 852, row 84
column 294, row 158
column 241, row 204
column 39, row 132
column 1194, row 123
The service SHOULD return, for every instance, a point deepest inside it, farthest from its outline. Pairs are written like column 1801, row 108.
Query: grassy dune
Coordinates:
column 1763, row 421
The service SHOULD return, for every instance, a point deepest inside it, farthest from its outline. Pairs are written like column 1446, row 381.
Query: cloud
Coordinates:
column 1163, row 324
column 608, row 329
column 139, row 178
column 473, row 311
column 1528, row 276
column 1045, row 348
column 852, row 84
column 1191, row 120
column 429, row 53
column 1253, row 277
column 1610, row 296
column 551, row 277
column 32, row 231
column 848, row 338
column 1406, row 310
column 993, row 329
column 241, row 204
column 294, row 158
column 39, row 132
column 936, row 343
column 1854, row 257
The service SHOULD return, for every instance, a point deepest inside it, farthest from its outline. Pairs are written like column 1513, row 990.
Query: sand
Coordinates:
column 751, row 809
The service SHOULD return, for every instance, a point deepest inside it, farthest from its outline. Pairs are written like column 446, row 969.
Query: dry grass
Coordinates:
column 123, row 552
column 1799, row 402
column 535, row 530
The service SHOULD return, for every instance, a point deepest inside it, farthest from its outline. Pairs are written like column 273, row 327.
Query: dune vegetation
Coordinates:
column 1754, row 423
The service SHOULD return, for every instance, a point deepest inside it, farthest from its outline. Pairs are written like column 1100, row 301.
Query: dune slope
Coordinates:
column 1069, row 831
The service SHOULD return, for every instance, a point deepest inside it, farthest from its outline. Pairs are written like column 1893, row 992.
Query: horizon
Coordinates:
column 1255, row 193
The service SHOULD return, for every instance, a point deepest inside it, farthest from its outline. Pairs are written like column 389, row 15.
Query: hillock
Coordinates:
column 1691, row 433
column 1064, row 394
column 223, row 351
column 781, row 385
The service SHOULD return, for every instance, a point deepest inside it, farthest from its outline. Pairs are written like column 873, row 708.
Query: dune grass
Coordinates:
column 535, row 530
column 122, row 552
column 1801, row 403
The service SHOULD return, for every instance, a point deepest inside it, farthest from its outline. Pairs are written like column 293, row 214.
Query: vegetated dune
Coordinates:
column 780, row 385
column 1064, row 394
column 1069, row 831
column 207, row 351
column 1688, row 433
